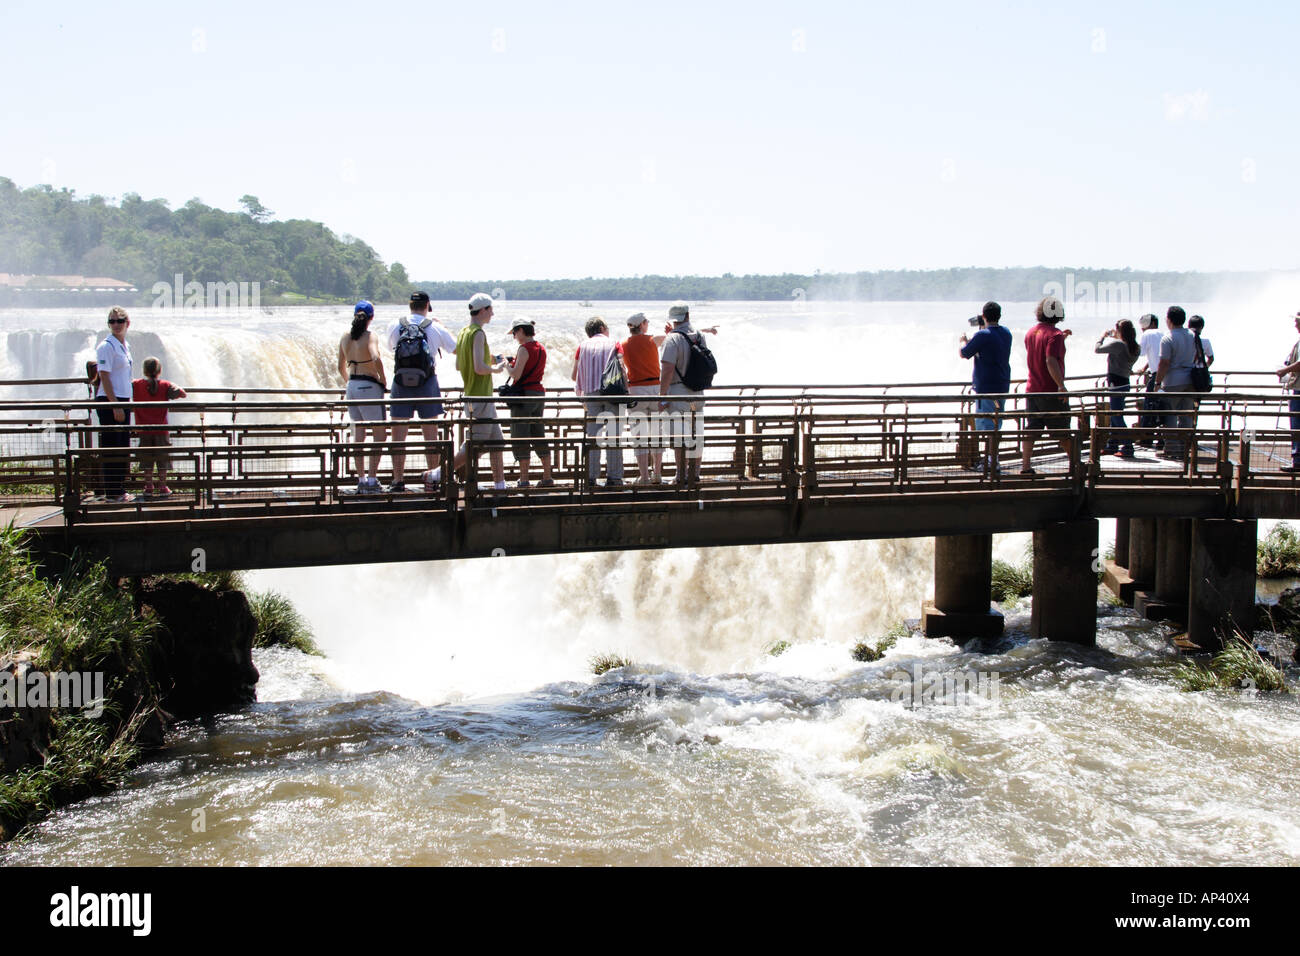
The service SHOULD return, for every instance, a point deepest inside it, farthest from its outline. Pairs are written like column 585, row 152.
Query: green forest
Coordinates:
column 46, row 231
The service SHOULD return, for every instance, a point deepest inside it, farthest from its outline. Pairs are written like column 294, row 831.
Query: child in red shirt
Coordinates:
column 149, row 393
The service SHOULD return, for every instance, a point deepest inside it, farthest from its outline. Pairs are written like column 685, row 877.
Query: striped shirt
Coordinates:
column 592, row 357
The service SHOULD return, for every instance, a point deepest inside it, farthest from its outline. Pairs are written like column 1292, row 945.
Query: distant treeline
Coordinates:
column 969, row 284
column 46, row 231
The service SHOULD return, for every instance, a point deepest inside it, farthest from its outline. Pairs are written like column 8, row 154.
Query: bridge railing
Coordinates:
column 776, row 441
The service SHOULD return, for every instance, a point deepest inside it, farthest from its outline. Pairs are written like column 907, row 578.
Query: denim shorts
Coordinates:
column 408, row 409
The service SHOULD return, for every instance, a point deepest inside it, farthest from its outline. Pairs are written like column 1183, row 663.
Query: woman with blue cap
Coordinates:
column 362, row 366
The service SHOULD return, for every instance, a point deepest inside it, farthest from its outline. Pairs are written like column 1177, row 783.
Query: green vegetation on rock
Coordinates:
column 1278, row 555
column 868, row 651
column 76, row 622
column 279, row 624
column 1239, row 666
column 1011, row 581
column 600, row 663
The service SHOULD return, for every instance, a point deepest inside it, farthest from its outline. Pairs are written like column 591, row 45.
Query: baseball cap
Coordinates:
column 633, row 321
column 364, row 306
column 679, row 312
column 522, row 321
column 479, row 300
column 419, row 298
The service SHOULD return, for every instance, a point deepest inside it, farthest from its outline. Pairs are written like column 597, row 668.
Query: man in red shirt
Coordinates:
column 1047, row 411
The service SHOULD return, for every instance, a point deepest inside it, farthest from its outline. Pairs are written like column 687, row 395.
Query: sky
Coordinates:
column 502, row 140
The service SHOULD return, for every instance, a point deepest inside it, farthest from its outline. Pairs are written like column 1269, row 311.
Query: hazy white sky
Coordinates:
column 508, row 140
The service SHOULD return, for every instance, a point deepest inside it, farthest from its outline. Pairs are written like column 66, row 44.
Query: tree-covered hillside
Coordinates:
column 46, row 231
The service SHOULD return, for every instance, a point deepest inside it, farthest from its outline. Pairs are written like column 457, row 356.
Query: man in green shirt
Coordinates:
column 474, row 362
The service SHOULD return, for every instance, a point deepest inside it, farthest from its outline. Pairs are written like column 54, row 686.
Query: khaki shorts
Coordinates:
column 483, row 415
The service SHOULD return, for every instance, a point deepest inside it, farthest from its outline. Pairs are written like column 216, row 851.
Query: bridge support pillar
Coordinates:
column 1173, row 547
column 963, row 574
column 1142, row 551
column 1117, row 576
column 1221, row 591
column 1065, row 582
column 1121, row 542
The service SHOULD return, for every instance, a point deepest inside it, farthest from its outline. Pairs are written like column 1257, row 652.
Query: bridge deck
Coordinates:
column 267, row 484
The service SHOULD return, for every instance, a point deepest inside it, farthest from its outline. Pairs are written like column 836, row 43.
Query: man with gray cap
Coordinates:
column 684, row 405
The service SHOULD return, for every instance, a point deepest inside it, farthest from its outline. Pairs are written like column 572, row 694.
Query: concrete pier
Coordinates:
column 1168, row 600
column 1221, row 592
column 1065, row 582
column 1121, row 542
column 1116, row 574
column 963, row 573
column 1142, row 552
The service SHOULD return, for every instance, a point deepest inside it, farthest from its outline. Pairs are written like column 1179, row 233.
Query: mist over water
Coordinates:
column 456, row 719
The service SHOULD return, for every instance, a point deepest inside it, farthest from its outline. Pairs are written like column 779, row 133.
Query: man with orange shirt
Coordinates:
column 1047, row 411
column 641, row 359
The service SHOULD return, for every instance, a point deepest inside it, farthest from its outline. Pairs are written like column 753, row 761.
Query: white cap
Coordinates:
column 479, row 300
column 679, row 312
column 634, row 321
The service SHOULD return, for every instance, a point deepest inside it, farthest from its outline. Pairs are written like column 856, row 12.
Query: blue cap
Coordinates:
column 366, row 307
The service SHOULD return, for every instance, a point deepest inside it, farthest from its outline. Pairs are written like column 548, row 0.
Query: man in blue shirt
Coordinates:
column 991, row 349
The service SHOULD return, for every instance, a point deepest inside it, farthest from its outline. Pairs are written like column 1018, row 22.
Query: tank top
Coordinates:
column 641, row 356
column 475, row 385
column 531, row 378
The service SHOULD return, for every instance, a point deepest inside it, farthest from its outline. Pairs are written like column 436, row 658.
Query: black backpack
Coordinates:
column 701, row 366
column 613, row 381
column 412, row 363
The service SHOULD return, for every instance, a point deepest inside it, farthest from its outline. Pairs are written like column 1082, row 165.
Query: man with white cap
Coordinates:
column 476, row 367
column 684, row 405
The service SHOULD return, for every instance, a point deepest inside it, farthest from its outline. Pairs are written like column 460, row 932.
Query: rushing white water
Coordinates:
column 456, row 719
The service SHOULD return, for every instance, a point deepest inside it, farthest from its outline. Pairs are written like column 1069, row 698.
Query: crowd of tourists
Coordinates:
column 1175, row 369
column 663, row 375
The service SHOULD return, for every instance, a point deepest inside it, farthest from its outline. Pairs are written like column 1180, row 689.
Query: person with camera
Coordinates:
column 1121, row 351
column 990, row 347
column 526, row 405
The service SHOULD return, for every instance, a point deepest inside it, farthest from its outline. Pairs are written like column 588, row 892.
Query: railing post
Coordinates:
column 71, row 490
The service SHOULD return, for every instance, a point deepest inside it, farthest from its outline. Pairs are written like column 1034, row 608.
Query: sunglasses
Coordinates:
column 118, row 321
